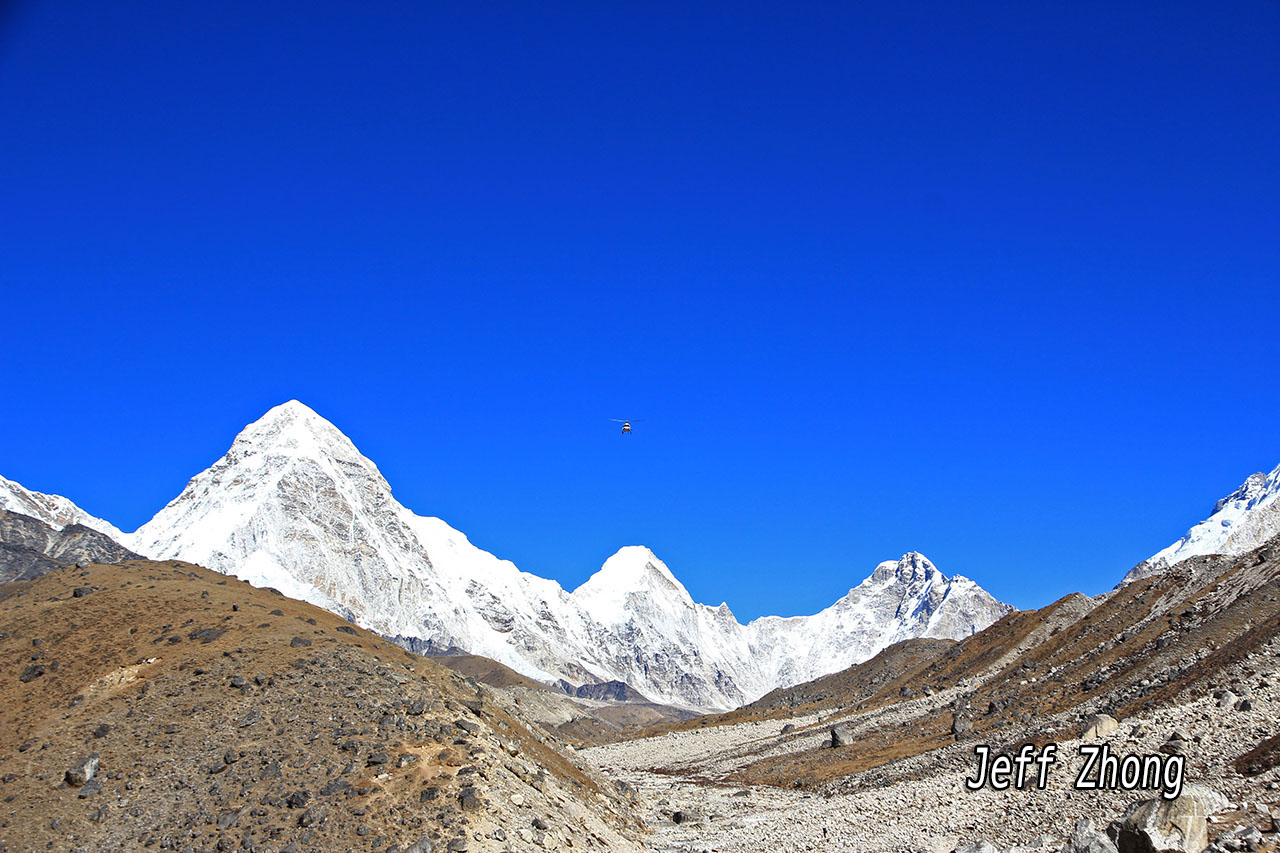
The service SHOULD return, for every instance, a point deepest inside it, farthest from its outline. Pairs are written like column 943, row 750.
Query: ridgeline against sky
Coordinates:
column 992, row 283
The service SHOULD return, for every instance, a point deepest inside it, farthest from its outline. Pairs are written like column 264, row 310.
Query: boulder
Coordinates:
column 1086, row 838
column 1099, row 726
column 314, row 815
column 1239, row 839
column 469, row 800
column 1168, row 826
column 83, row 770
column 32, row 672
column 691, row 815
column 841, row 736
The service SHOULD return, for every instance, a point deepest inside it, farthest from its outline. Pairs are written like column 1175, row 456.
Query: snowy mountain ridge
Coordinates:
column 54, row 510
column 1241, row 521
column 295, row 506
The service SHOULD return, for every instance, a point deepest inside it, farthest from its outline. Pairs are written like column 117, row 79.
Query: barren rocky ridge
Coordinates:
column 163, row 706
column 30, row 547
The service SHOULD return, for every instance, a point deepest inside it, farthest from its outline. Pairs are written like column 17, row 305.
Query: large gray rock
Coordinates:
column 82, row 771
column 841, row 736
column 1086, row 838
column 690, row 815
column 1099, row 726
column 1168, row 826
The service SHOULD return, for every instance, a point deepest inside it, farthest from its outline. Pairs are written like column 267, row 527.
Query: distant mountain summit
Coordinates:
column 1240, row 522
column 54, row 510
column 295, row 506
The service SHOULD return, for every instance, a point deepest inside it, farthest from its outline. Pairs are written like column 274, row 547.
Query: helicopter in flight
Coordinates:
column 626, row 423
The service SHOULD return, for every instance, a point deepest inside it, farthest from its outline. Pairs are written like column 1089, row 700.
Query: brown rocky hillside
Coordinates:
column 1175, row 636
column 210, row 715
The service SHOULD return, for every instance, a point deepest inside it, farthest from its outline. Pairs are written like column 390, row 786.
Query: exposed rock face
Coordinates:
column 1240, row 522
column 30, row 547
column 1168, row 826
column 295, row 506
column 612, row 691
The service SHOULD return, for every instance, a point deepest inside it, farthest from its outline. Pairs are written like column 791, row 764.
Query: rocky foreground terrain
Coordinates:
column 1186, row 662
column 157, row 705
column 163, row 706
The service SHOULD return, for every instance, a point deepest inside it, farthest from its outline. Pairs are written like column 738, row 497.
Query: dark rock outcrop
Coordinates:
column 29, row 547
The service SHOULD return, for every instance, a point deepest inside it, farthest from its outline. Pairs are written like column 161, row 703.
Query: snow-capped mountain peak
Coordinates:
column 294, row 505
column 1243, row 520
column 634, row 586
column 634, row 569
column 291, row 495
column 909, row 568
column 294, row 429
column 1255, row 487
column 54, row 510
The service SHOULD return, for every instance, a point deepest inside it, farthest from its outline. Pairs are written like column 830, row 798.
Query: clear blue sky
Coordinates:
column 995, row 282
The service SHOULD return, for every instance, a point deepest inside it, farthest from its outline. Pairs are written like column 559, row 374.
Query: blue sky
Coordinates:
column 995, row 282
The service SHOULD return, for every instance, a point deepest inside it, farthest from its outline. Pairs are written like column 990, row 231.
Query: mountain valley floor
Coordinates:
column 160, row 705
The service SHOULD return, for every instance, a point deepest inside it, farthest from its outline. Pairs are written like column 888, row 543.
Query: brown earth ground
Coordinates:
column 229, row 717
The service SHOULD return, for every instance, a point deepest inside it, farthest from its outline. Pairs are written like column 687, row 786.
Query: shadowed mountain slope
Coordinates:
column 30, row 547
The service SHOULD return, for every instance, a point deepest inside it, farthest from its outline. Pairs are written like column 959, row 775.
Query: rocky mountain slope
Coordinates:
column 29, row 547
column 163, row 706
column 295, row 506
column 1184, row 662
column 1241, row 521
column 590, row 714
